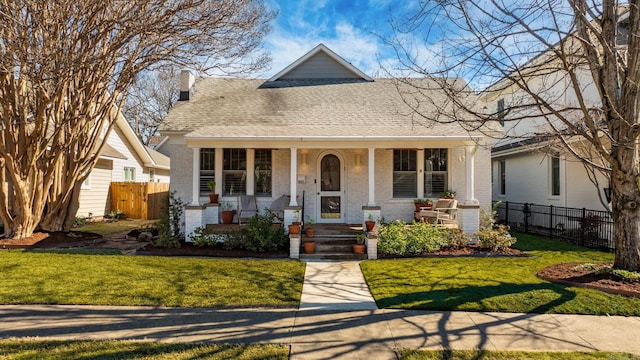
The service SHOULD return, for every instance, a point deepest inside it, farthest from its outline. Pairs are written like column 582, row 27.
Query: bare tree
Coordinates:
column 149, row 101
column 65, row 67
column 568, row 71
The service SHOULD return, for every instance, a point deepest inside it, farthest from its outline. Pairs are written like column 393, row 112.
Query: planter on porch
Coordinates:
column 294, row 229
column 359, row 247
column 309, row 246
column 227, row 216
column 369, row 225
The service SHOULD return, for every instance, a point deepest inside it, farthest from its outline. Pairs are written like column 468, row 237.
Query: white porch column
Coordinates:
column 219, row 164
column 294, row 177
column 195, row 178
column 250, row 171
column 372, row 177
column 470, row 197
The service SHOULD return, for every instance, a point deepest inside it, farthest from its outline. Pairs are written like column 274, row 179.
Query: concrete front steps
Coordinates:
column 334, row 242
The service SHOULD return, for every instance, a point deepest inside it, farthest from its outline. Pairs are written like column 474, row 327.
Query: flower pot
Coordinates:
column 227, row 216
column 310, row 232
column 309, row 247
column 369, row 225
column 358, row 248
column 213, row 198
column 294, row 229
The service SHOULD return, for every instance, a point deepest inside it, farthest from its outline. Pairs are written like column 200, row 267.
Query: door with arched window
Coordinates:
column 330, row 189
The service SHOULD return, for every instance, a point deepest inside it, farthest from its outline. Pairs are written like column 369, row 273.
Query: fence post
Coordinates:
column 551, row 221
column 526, row 217
column 582, row 223
column 506, row 213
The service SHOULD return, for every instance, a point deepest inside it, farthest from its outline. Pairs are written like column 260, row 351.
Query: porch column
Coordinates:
column 195, row 178
column 250, row 171
column 470, row 197
column 372, row 177
column 469, row 210
column 294, row 177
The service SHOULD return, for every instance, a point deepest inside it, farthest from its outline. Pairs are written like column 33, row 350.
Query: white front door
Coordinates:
column 330, row 189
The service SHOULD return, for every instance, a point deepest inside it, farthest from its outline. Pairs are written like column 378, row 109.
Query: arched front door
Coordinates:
column 330, row 189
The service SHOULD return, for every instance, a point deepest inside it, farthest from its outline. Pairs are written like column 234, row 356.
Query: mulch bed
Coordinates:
column 574, row 275
column 467, row 251
column 51, row 240
column 188, row 249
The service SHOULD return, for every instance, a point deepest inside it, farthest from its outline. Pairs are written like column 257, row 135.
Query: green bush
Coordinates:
column 230, row 239
column 398, row 238
column 495, row 239
column 262, row 236
column 456, row 239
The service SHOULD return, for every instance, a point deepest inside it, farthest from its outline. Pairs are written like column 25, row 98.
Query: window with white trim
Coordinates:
column 405, row 175
column 555, row 176
column 234, row 172
column 207, row 168
column 86, row 184
column 262, row 172
column 435, row 172
column 129, row 174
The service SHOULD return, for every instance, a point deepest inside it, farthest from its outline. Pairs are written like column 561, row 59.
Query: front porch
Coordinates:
column 348, row 184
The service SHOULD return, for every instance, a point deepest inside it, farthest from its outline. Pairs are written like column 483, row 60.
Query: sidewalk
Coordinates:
column 341, row 324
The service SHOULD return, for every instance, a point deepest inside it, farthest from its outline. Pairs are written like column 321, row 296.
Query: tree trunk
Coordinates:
column 625, row 200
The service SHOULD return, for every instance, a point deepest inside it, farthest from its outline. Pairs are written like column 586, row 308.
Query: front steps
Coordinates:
column 334, row 242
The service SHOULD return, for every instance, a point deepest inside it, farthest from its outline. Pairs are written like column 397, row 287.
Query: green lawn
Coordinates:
column 493, row 284
column 51, row 278
column 102, row 350
column 511, row 355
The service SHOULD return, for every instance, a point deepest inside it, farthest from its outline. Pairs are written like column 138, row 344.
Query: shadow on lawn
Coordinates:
column 454, row 298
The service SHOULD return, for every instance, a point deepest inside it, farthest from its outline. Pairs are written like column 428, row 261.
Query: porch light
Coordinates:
column 357, row 159
column 304, row 159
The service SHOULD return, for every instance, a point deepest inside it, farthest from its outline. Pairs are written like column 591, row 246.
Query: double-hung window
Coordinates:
column 207, row 168
column 234, row 172
column 129, row 174
column 405, row 175
column 262, row 172
column 555, row 176
column 435, row 172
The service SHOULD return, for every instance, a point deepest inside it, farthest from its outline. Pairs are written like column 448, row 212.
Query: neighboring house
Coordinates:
column 346, row 145
column 527, row 168
column 123, row 158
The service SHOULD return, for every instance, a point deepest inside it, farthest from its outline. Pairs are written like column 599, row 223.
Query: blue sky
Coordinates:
column 347, row 27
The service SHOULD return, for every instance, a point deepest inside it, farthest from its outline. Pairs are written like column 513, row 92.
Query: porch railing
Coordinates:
column 584, row 227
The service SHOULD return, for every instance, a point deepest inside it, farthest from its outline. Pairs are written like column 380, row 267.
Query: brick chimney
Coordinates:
column 186, row 85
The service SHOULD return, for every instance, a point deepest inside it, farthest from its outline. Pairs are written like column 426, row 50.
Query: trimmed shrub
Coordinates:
column 398, row 238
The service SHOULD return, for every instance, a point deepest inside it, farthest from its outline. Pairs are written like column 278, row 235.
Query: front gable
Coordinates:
column 320, row 63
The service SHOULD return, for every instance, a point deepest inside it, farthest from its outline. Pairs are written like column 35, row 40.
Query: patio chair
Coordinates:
column 247, row 207
column 447, row 211
column 277, row 207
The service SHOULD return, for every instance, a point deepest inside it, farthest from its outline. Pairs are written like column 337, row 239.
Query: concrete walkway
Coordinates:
column 337, row 319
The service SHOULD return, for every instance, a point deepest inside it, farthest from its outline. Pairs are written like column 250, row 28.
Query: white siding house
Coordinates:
column 124, row 158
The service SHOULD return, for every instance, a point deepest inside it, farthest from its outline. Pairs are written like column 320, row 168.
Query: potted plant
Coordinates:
column 370, row 223
column 308, row 230
column 359, row 247
column 296, row 218
column 448, row 194
column 420, row 203
column 309, row 246
column 226, row 213
column 213, row 197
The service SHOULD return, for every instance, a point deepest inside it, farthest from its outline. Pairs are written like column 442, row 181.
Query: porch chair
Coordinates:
column 447, row 211
column 277, row 207
column 247, row 207
column 444, row 212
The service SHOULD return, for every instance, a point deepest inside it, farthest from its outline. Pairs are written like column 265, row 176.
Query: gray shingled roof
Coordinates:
column 232, row 108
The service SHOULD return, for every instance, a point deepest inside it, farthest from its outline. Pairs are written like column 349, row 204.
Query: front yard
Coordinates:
column 503, row 284
column 54, row 278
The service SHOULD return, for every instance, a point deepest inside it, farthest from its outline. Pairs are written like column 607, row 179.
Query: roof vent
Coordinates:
column 186, row 84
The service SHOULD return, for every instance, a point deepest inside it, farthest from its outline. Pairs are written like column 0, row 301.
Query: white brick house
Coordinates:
column 346, row 144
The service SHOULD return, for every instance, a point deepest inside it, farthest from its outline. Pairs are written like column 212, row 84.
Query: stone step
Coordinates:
column 333, row 256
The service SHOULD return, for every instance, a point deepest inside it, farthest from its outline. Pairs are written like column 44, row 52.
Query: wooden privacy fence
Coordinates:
column 139, row 200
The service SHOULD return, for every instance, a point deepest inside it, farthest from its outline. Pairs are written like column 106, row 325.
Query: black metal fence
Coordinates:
column 588, row 228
